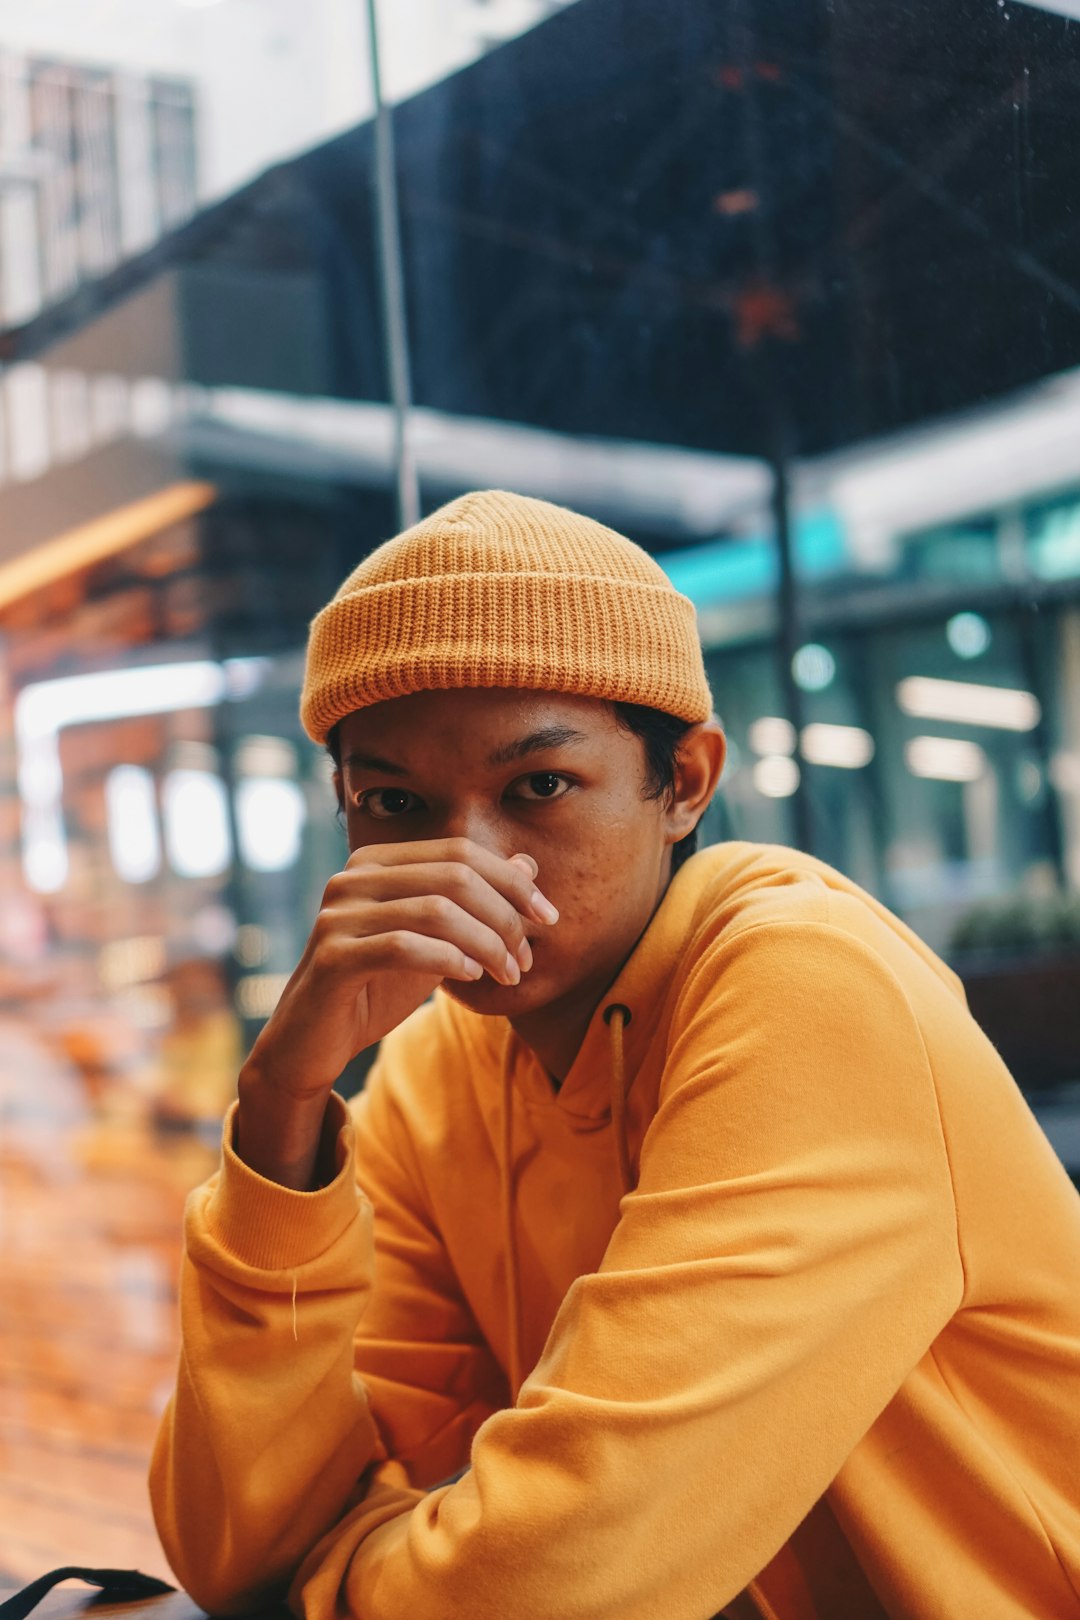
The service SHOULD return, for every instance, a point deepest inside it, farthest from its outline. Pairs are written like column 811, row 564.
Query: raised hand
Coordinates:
column 393, row 924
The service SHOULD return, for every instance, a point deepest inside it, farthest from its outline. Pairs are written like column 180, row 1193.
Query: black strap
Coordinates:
column 117, row 1586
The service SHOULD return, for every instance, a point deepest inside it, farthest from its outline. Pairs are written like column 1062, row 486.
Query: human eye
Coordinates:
column 539, row 786
column 383, row 804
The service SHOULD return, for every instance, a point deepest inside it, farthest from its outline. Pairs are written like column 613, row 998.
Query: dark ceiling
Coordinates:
column 714, row 223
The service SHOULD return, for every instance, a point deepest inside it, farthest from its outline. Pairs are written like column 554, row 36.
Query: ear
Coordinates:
column 698, row 766
column 339, row 790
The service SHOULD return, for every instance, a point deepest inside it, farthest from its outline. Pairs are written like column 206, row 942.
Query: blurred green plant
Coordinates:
column 1020, row 923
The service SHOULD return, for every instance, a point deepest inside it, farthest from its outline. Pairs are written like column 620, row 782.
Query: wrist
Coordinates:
column 279, row 1135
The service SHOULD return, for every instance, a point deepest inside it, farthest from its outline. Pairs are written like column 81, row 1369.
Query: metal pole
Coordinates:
column 788, row 638
column 774, row 413
column 395, row 327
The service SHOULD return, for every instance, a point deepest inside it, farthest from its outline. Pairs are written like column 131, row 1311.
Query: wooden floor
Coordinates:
column 90, row 1209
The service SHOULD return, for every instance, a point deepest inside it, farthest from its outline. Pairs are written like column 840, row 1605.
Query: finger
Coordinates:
column 448, row 880
column 540, row 905
column 506, row 877
column 435, row 916
column 401, row 951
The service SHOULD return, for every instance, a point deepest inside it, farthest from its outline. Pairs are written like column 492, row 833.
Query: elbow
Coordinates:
column 228, row 1591
column 216, row 1578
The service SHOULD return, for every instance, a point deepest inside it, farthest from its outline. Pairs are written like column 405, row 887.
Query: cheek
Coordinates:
column 605, row 876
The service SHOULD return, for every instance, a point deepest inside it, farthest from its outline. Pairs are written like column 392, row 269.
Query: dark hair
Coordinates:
column 661, row 735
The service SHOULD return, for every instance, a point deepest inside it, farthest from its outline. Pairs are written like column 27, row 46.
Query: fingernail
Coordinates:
column 473, row 969
column 513, row 972
column 543, row 907
column 525, row 955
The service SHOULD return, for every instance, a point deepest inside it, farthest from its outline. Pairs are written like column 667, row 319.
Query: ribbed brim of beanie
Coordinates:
column 501, row 590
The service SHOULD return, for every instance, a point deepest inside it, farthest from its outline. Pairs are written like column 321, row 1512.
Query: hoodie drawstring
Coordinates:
column 616, row 1017
column 506, row 1189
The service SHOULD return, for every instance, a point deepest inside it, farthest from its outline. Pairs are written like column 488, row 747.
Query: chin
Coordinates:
column 487, row 996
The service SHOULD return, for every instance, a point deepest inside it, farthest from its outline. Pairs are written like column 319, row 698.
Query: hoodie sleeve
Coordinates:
column 788, row 1256
column 429, row 1374
column 284, row 1415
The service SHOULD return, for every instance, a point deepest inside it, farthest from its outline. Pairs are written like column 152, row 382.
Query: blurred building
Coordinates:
column 94, row 165
column 199, row 443
column 116, row 114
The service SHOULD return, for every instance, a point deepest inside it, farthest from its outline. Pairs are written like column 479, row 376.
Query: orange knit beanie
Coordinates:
column 501, row 590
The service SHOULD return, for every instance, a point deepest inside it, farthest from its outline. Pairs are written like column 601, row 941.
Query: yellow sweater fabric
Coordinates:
column 821, row 1363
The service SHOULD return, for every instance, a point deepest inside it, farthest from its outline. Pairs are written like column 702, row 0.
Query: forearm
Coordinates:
column 283, row 1139
column 268, row 1432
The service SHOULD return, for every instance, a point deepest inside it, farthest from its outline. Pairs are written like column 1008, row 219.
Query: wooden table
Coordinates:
column 88, row 1324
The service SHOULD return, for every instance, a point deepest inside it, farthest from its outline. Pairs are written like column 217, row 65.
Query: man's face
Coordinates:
column 536, row 773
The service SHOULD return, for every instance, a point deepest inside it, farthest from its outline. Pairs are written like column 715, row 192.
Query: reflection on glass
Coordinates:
column 771, row 734
column 967, row 703
column 776, row 776
column 968, row 635
column 946, row 759
column 270, row 813
column 813, row 667
column 131, row 808
column 846, row 748
column 197, row 837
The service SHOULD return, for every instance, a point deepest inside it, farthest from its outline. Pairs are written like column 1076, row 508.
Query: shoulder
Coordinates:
column 769, row 900
column 778, row 940
column 733, row 888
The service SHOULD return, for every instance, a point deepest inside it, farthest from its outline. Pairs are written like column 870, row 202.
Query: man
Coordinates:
column 692, row 1217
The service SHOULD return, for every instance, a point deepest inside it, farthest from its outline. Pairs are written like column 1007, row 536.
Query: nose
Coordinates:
column 477, row 823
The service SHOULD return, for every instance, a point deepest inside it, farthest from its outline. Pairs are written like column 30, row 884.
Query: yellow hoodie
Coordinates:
column 824, row 1354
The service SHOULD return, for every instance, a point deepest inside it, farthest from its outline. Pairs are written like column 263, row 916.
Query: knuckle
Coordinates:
column 342, row 886
column 329, row 954
column 325, row 925
column 395, row 947
column 438, row 910
column 459, row 880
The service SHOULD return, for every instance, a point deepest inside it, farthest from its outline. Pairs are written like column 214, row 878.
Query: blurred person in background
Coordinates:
column 200, row 1051
column 687, row 1216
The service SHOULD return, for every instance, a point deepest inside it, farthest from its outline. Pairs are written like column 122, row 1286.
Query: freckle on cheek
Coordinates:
column 595, row 901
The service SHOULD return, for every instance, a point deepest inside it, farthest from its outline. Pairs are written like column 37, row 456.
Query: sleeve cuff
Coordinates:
column 271, row 1227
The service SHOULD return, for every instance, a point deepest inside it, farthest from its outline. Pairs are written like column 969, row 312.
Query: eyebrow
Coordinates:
column 534, row 742
column 375, row 762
